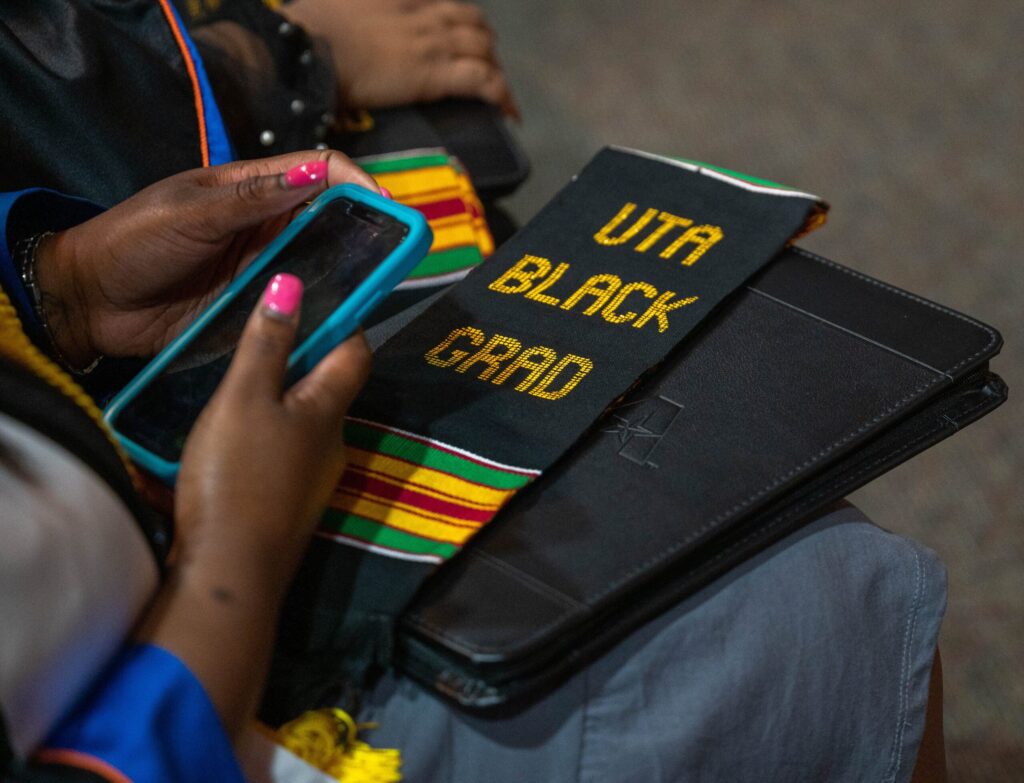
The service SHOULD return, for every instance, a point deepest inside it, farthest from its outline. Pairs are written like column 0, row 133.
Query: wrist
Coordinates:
column 211, row 621
column 240, row 555
column 62, row 303
column 242, row 584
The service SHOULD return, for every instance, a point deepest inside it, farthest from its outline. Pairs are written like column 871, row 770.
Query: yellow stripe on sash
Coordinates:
column 428, row 180
column 449, row 487
column 453, row 236
column 435, row 527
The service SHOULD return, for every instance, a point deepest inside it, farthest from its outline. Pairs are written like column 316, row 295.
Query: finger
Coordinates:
column 221, row 211
column 260, row 361
column 340, row 168
column 333, row 384
column 466, row 41
column 241, row 196
column 455, row 12
column 470, row 77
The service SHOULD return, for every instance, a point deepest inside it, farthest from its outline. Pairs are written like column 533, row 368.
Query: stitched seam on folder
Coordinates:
column 993, row 336
column 665, row 554
column 844, row 330
column 810, row 501
column 793, row 512
column 769, row 487
column 529, row 581
column 790, row 514
column 778, row 480
column 828, row 488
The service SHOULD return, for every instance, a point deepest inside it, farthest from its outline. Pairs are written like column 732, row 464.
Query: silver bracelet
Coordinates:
column 25, row 263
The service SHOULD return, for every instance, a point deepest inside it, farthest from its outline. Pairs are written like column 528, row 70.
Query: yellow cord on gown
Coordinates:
column 16, row 346
column 327, row 740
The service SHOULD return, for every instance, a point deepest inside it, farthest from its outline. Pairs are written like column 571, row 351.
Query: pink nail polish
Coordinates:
column 306, row 174
column 386, row 193
column 282, row 297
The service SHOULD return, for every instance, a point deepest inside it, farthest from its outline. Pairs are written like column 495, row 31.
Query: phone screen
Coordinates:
column 332, row 254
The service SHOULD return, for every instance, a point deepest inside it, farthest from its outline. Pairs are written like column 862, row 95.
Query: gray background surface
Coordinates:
column 909, row 118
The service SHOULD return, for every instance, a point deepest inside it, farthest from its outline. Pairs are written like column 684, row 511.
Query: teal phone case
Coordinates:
column 339, row 325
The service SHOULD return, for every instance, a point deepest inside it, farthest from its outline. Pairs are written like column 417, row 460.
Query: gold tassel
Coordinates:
column 356, row 121
column 327, row 740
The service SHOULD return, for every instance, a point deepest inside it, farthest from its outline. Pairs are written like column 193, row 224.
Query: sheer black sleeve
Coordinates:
column 274, row 83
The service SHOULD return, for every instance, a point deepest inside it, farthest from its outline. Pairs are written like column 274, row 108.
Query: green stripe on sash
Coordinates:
column 403, row 164
column 394, row 445
column 446, row 261
column 738, row 175
column 371, row 532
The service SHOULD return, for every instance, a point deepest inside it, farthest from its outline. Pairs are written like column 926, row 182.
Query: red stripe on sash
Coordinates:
column 442, row 209
column 374, row 488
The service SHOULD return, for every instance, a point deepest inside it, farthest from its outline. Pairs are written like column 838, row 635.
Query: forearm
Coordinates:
column 218, row 612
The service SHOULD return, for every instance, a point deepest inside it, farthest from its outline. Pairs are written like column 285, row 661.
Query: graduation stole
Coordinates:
column 433, row 182
column 477, row 396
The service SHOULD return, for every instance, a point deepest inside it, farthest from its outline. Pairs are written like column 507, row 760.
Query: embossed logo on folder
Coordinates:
column 640, row 426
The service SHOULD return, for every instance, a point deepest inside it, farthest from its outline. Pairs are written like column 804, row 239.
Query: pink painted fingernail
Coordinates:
column 282, row 297
column 306, row 174
column 385, row 192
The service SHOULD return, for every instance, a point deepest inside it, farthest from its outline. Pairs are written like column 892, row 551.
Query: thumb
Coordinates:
column 259, row 363
column 333, row 384
column 246, row 202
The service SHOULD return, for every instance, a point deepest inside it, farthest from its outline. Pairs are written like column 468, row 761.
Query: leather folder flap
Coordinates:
column 795, row 376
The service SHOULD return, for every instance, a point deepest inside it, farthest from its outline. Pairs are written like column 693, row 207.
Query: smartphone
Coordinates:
column 350, row 248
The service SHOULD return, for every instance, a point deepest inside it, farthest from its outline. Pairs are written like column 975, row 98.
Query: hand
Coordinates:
column 256, row 473
column 260, row 464
column 128, row 281
column 396, row 52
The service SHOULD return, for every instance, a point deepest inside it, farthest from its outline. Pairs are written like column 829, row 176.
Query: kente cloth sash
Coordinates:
column 474, row 398
column 433, row 182
column 478, row 395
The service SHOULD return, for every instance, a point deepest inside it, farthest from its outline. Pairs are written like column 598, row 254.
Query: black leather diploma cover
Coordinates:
column 805, row 386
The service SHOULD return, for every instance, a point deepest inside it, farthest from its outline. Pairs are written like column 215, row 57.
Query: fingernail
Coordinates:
column 385, row 192
column 282, row 297
column 306, row 174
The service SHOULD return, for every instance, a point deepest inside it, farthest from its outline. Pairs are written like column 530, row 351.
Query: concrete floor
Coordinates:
column 909, row 118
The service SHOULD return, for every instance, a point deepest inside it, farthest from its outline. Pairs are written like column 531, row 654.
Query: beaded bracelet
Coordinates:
column 25, row 263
